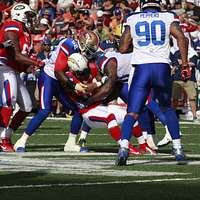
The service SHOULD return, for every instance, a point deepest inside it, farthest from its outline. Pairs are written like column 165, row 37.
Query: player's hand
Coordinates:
column 40, row 64
column 8, row 44
column 185, row 72
column 30, row 69
column 91, row 87
column 80, row 88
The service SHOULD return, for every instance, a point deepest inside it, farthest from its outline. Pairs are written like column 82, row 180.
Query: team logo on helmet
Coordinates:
column 19, row 7
column 88, row 43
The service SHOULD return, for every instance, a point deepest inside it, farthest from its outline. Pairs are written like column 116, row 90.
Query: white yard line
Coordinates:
column 68, row 119
column 97, row 183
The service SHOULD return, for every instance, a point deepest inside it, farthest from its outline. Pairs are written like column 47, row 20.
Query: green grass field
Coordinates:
column 46, row 172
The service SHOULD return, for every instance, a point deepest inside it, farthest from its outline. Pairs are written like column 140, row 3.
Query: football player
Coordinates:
column 49, row 85
column 149, row 33
column 96, row 115
column 12, row 62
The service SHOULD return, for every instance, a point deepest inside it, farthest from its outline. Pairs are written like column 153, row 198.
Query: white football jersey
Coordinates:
column 123, row 64
column 150, row 32
column 50, row 65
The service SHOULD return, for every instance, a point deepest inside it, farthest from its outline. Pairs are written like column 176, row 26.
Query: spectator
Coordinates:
column 86, row 20
column 48, row 11
column 188, row 85
column 59, row 22
column 102, row 31
column 108, row 8
column 116, row 24
column 64, row 4
column 83, row 4
column 45, row 52
column 190, row 6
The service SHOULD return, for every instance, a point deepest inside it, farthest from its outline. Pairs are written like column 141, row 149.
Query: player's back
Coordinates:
column 66, row 45
column 150, row 31
column 123, row 64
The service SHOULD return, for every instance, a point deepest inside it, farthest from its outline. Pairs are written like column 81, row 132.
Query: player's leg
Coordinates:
column 8, row 94
column 147, row 125
column 75, row 126
column 163, row 93
column 47, row 88
column 85, row 129
column 138, row 93
column 25, row 106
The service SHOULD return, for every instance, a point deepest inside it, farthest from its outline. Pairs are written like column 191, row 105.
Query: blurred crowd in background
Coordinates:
column 68, row 18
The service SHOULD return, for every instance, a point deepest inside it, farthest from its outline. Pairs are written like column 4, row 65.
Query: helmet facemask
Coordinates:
column 88, row 44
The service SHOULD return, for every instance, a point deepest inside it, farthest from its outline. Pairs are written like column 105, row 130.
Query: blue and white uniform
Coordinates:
column 49, row 87
column 150, row 31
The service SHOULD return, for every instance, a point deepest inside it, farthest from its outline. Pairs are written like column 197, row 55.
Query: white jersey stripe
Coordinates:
column 42, row 97
column 11, row 29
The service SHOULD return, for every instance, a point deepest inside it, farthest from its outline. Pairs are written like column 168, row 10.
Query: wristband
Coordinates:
column 99, row 84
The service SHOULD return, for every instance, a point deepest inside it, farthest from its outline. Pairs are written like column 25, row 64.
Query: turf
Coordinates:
column 46, row 172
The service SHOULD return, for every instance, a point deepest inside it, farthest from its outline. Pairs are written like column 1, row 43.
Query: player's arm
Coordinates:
column 177, row 32
column 61, row 67
column 19, row 57
column 125, row 41
column 105, row 90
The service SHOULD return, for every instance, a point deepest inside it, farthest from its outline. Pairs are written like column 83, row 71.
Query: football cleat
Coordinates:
column 20, row 149
column 74, row 148
column 179, row 156
column 122, row 157
column 6, row 145
column 151, row 143
column 82, row 142
column 134, row 150
column 166, row 140
column 144, row 148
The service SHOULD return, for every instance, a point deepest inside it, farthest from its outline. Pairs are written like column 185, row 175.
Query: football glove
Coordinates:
column 79, row 87
column 185, row 72
column 7, row 44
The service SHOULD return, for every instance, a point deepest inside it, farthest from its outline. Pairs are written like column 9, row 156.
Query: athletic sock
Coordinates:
column 115, row 133
column 17, row 120
column 176, row 143
column 22, row 141
column 5, row 114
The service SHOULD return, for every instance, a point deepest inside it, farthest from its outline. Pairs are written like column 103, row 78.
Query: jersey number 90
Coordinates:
column 153, row 33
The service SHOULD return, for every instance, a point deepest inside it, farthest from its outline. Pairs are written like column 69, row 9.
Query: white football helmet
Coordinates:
column 22, row 12
column 78, row 64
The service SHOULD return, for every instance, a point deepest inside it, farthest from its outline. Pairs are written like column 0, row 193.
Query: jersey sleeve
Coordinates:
column 61, row 61
column 12, row 26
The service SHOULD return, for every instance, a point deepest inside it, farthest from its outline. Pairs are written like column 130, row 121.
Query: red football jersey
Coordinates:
column 24, row 42
column 74, row 96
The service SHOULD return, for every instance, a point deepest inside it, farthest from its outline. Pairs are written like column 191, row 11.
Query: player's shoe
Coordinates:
column 82, row 142
column 19, row 147
column 150, row 142
column 165, row 141
column 74, row 148
column 6, row 145
column 144, row 148
column 122, row 157
column 179, row 156
column 134, row 150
